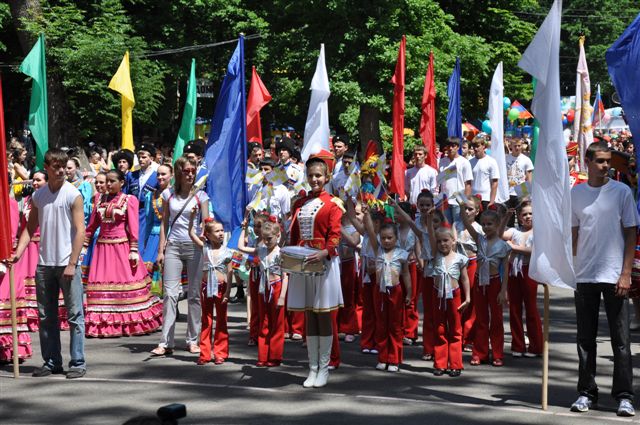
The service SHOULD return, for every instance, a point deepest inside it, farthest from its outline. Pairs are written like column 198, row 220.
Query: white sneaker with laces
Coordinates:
column 582, row 404
column 381, row 366
column 625, row 408
column 393, row 368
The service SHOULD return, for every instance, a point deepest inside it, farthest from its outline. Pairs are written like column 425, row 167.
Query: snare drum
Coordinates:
column 292, row 260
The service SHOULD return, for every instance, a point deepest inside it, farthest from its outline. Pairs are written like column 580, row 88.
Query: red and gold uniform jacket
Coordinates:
column 316, row 222
column 576, row 178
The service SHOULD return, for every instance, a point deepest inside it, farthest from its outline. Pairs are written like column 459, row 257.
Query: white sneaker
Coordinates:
column 531, row 355
column 373, row 351
column 582, row 404
column 516, row 354
column 393, row 368
column 381, row 366
column 349, row 338
column 366, row 351
column 625, row 408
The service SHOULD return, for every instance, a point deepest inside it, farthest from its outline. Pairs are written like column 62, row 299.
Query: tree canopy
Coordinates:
column 87, row 39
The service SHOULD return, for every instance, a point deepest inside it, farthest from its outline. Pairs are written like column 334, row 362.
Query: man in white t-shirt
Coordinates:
column 57, row 209
column 421, row 176
column 455, row 176
column 485, row 173
column 338, row 181
column 604, row 220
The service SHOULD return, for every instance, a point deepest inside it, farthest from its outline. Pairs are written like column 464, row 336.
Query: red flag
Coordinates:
column 6, row 234
column 428, row 120
column 398, row 167
column 258, row 97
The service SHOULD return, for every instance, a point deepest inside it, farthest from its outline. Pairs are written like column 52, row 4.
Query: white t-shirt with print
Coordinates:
column 517, row 169
column 463, row 175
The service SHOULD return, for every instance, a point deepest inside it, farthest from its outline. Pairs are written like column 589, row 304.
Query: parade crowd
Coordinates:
column 327, row 254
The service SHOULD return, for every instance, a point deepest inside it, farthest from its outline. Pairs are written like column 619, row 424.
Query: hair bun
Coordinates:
column 209, row 220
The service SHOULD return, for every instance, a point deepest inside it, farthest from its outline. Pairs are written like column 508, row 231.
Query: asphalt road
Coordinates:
column 124, row 381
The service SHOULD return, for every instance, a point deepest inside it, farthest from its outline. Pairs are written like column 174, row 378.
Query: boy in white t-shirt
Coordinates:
column 519, row 170
column 460, row 182
column 420, row 176
column 485, row 173
column 604, row 220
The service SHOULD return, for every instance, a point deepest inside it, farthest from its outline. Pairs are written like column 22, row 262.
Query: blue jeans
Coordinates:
column 452, row 214
column 49, row 281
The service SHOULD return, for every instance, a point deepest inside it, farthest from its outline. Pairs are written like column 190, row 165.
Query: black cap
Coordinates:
column 341, row 138
column 286, row 143
column 125, row 154
column 195, row 146
column 253, row 145
column 147, row 147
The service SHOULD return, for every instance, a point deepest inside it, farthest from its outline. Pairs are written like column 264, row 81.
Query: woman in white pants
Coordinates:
column 176, row 251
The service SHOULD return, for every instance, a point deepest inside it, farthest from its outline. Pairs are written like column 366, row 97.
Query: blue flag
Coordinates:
column 226, row 155
column 454, row 115
column 623, row 60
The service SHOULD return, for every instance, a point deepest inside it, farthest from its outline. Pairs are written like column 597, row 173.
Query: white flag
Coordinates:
column 496, row 116
column 316, row 130
column 551, row 259
column 582, row 130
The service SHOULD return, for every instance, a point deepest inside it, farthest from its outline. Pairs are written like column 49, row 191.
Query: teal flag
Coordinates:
column 188, row 127
column 35, row 67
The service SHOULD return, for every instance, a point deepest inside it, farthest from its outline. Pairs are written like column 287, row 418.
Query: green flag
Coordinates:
column 188, row 127
column 535, row 133
column 35, row 67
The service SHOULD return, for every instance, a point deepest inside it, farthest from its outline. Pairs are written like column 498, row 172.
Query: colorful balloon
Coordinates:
column 513, row 115
column 565, row 121
column 506, row 103
column 486, row 126
column 571, row 114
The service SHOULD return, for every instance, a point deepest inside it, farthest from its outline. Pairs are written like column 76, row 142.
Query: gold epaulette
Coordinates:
column 339, row 202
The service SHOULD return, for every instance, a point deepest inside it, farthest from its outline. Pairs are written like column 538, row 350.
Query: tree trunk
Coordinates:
column 61, row 123
column 368, row 127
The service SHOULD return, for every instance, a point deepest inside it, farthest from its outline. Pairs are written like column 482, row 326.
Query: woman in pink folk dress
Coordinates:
column 119, row 301
column 6, row 336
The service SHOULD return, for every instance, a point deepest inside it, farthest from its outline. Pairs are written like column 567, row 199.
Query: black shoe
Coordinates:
column 234, row 300
column 455, row 373
column 438, row 372
column 76, row 372
column 45, row 370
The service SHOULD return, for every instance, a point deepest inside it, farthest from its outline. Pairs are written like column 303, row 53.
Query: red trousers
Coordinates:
column 488, row 321
column 347, row 318
column 335, row 346
column 254, row 284
column 469, row 315
column 367, row 338
column 411, row 316
column 221, row 334
column 271, row 336
column 448, row 342
column 294, row 323
column 428, row 304
column 524, row 290
column 389, row 333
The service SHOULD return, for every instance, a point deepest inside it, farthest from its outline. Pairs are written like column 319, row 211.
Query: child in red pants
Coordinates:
column 491, row 289
column 367, row 275
column 271, row 294
column 347, row 318
column 467, row 245
column 253, row 240
column 215, row 290
column 407, row 241
column 522, row 289
column 391, row 264
column 449, row 273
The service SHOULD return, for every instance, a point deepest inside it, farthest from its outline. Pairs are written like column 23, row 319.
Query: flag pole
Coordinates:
column 14, row 323
column 545, row 349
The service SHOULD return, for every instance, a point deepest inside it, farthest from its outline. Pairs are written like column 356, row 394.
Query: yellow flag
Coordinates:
column 121, row 82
